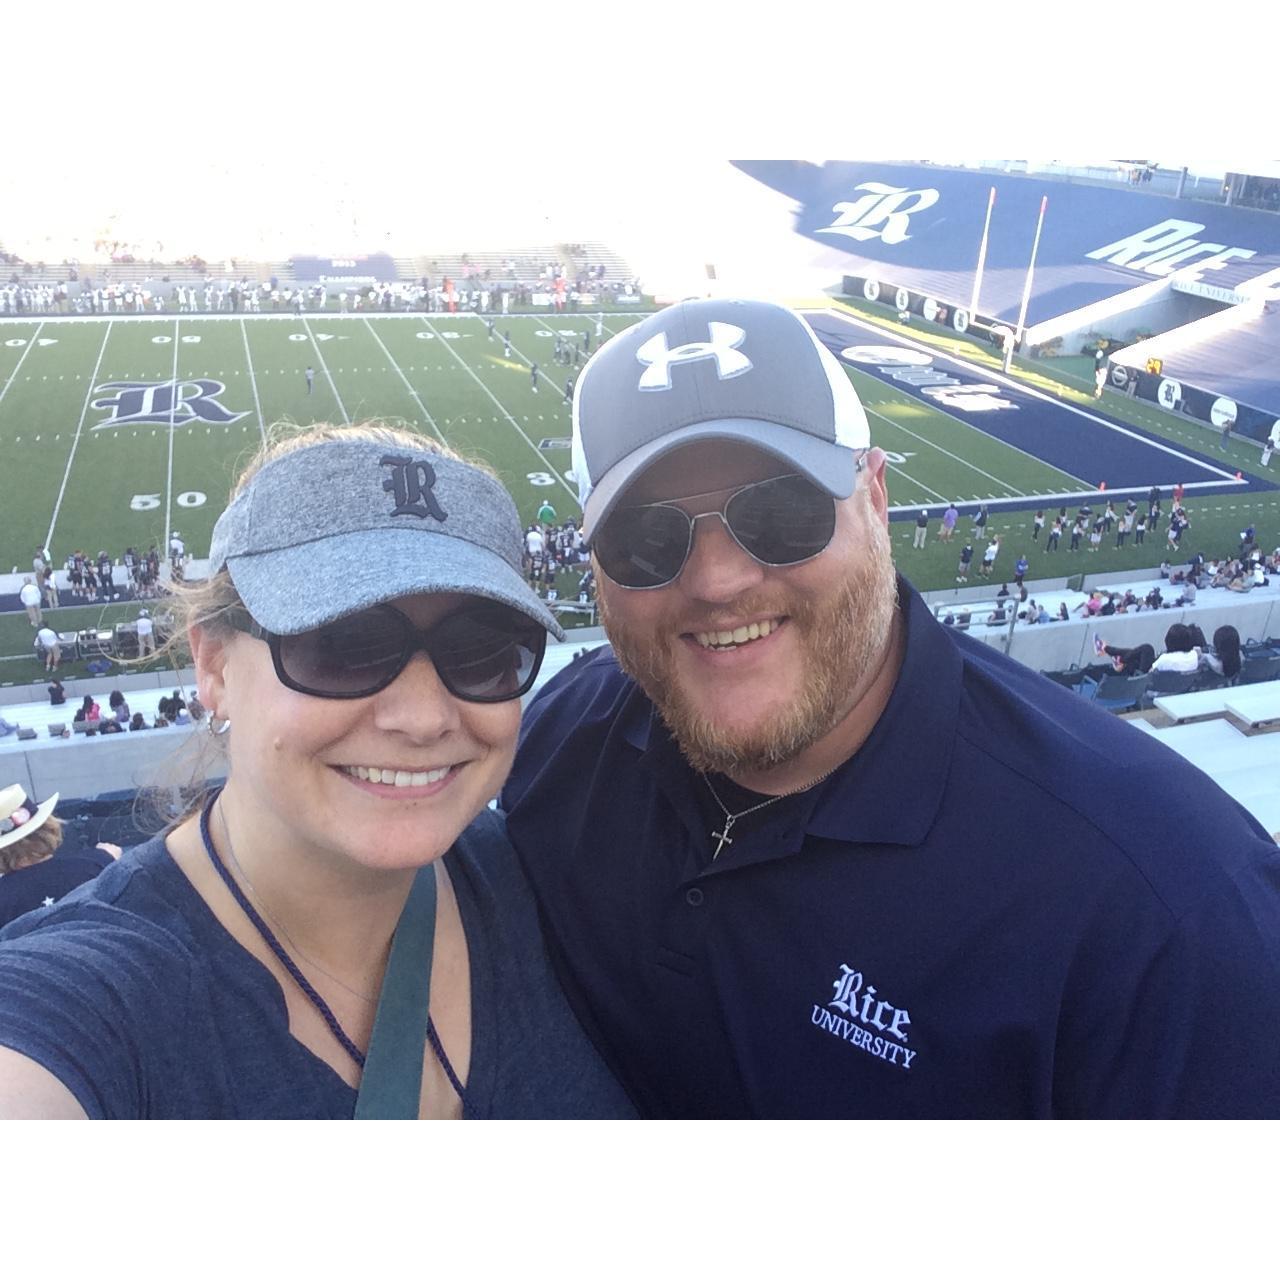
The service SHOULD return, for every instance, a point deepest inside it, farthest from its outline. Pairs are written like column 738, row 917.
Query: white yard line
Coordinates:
column 431, row 422
column 75, row 444
column 906, row 475
column 253, row 381
column 173, row 409
column 546, row 462
column 26, row 351
column 346, row 417
column 955, row 457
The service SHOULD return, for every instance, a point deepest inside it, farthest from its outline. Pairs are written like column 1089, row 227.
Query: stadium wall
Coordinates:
column 1204, row 403
column 1154, row 308
column 90, row 767
column 1059, row 645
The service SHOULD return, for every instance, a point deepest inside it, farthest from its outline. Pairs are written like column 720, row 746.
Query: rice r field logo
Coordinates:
column 177, row 402
column 883, row 213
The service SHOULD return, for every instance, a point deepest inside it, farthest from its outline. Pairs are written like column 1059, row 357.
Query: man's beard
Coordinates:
column 844, row 636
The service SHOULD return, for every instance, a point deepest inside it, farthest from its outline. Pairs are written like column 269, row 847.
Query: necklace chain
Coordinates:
column 724, row 836
column 288, row 937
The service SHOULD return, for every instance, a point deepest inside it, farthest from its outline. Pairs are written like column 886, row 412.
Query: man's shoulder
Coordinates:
column 1077, row 772
column 591, row 686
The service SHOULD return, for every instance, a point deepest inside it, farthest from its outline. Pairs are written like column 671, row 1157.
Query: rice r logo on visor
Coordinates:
column 412, row 484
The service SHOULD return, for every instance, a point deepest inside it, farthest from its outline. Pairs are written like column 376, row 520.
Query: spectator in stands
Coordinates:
column 1136, row 661
column 1224, row 658
column 35, row 871
column 258, row 999
column 139, row 721
column 196, row 708
column 57, row 694
column 119, row 707
column 1180, row 652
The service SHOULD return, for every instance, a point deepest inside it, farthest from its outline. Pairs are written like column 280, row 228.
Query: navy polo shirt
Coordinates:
column 1006, row 903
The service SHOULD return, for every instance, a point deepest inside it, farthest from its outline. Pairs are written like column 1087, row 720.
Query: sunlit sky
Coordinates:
column 263, row 129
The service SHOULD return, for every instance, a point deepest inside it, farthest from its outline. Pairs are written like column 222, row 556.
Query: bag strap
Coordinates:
column 391, row 1085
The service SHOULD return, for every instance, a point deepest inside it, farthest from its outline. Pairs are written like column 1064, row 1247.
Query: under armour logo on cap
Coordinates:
column 412, row 483
column 725, row 338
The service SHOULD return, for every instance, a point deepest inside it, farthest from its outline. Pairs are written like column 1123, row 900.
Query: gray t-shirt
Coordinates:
column 133, row 995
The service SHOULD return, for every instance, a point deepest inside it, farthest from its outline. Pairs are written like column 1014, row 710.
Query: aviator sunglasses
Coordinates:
column 484, row 653
column 783, row 521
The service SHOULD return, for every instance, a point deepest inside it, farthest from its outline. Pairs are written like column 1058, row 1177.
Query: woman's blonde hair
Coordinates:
column 42, row 842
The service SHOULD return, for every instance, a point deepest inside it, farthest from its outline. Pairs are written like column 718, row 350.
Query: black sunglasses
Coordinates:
column 485, row 653
column 783, row 521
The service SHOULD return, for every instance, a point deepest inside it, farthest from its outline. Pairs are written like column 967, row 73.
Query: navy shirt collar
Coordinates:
column 888, row 792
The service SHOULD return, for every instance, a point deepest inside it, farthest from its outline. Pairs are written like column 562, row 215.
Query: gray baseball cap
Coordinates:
column 714, row 369
column 333, row 528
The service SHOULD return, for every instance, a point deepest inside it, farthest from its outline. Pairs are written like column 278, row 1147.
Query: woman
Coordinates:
column 119, row 707
column 363, row 642
column 1224, row 660
column 35, row 871
column 1127, row 662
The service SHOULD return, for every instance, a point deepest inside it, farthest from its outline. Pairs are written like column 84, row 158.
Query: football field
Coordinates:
column 117, row 432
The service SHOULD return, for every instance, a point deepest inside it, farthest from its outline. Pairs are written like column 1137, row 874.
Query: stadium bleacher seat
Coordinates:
column 1169, row 682
column 1260, row 667
column 1115, row 692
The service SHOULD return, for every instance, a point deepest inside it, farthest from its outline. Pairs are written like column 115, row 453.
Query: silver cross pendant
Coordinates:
column 723, row 836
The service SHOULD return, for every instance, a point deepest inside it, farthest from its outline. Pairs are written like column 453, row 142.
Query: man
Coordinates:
column 48, row 649
column 533, row 377
column 1273, row 443
column 922, row 530
column 29, row 595
column 949, row 518
column 989, row 556
column 310, row 374
column 146, row 634
column 778, row 836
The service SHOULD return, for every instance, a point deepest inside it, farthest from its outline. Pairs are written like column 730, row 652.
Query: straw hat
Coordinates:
column 17, row 818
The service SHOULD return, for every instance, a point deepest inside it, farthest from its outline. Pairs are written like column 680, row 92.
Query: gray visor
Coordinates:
column 334, row 528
